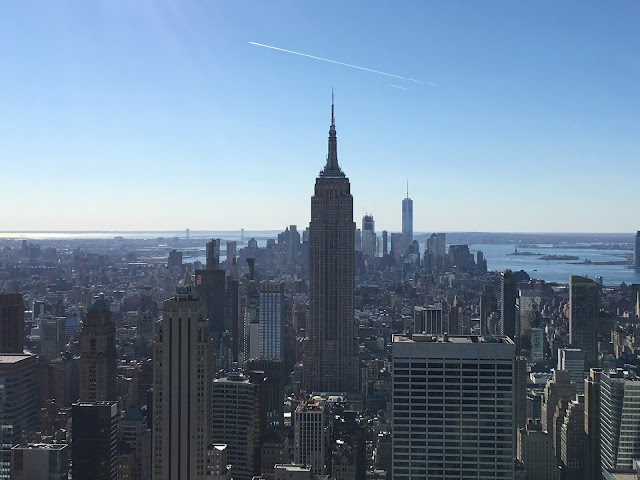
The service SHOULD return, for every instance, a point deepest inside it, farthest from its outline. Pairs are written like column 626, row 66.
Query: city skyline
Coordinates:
column 126, row 97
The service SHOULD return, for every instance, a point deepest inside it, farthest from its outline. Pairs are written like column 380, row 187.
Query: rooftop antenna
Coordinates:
column 332, row 119
column 407, row 188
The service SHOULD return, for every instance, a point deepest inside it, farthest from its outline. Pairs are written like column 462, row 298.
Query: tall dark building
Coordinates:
column 213, row 254
column 231, row 313
column 508, row 295
column 636, row 251
column 592, row 419
column 98, row 355
column 385, row 240
column 333, row 355
column 210, row 288
column 584, row 308
column 11, row 323
column 407, row 219
column 95, row 438
column 18, row 405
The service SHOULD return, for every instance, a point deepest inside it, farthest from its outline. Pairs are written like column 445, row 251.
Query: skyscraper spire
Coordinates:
column 407, row 188
column 332, row 169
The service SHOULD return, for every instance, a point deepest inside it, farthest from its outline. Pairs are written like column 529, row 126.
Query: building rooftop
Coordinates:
column 419, row 338
column 41, row 446
column 8, row 358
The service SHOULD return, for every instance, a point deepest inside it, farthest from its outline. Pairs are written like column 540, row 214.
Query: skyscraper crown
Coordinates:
column 332, row 169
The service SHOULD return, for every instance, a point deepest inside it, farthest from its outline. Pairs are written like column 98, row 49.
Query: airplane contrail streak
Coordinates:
column 338, row 63
column 397, row 86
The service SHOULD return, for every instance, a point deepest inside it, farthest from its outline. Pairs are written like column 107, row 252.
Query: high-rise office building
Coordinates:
column 18, row 405
column 11, row 323
column 40, row 461
column 407, row 219
column 636, row 250
column 592, row 424
column 537, row 345
column 235, row 408
column 573, row 441
column 453, row 407
column 213, row 254
column 95, row 439
column 98, row 355
column 385, row 240
column 210, row 288
column 332, row 361
column 428, row 320
column 508, row 295
column 53, row 342
column 369, row 246
column 181, row 387
column 310, row 436
column 572, row 360
column 620, row 417
column 488, row 305
column 535, row 450
column 271, row 320
column 558, row 389
column 133, row 430
column 584, row 305
column 520, row 393
column 175, row 260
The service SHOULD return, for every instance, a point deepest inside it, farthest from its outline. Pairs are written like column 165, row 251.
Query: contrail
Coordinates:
column 339, row 63
column 397, row 86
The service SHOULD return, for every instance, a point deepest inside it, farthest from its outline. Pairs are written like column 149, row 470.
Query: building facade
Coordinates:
column 572, row 360
column 181, row 388
column 53, row 342
column 584, row 305
column 271, row 314
column 235, row 410
column 620, row 419
column 11, row 323
column 453, row 407
column 508, row 296
column 310, row 436
column 18, row 405
column 40, row 461
column 95, row 440
column 407, row 219
column 98, row 355
column 332, row 361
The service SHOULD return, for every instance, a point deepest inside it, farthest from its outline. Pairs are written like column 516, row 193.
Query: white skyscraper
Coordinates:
column 271, row 316
column 453, row 411
column 181, row 388
column 368, row 236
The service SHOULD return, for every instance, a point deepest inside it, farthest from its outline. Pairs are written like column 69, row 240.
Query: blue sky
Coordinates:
column 153, row 115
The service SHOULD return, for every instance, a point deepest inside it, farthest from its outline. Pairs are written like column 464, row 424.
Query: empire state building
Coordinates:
column 332, row 362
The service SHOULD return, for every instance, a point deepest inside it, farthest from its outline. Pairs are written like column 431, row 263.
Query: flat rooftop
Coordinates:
column 13, row 358
column 457, row 339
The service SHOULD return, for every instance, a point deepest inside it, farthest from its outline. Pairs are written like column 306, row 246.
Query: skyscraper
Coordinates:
column 453, row 407
column 18, row 405
column 309, row 436
column 213, row 254
column 235, row 408
column 620, row 415
column 584, row 304
column 181, row 388
column 572, row 360
column 407, row 219
column 95, row 438
column 98, row 355
column 508, row 295
column 592, row 420
column 53, row 342
column 40, row 461
column 332, row 362
column 11, row 323
column 210, row 288
column 636, row 251
column 368, row 236
column 271, row 317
